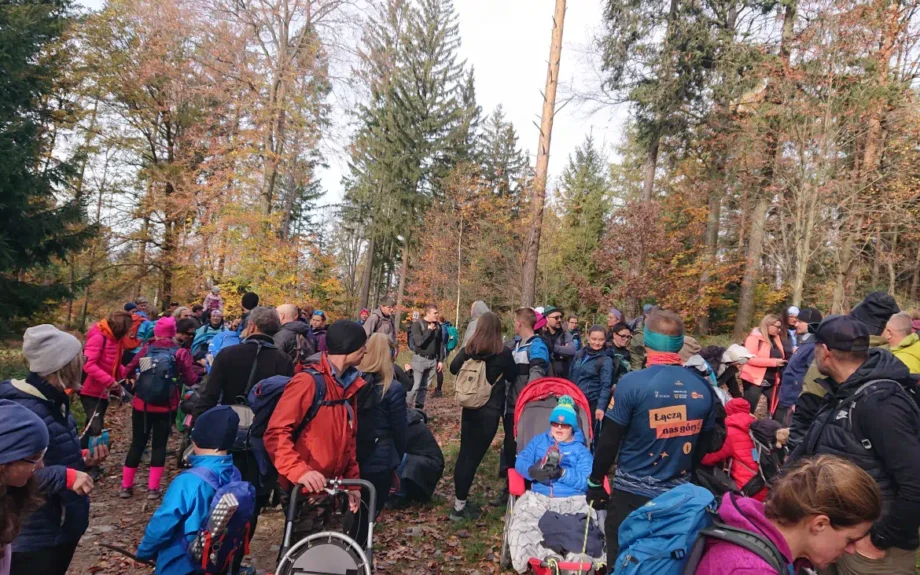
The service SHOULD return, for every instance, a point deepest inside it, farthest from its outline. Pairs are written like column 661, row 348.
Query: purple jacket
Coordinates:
column 723, row 558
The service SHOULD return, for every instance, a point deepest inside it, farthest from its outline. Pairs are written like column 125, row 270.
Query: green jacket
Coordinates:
column 810, row 383
column 908, row 351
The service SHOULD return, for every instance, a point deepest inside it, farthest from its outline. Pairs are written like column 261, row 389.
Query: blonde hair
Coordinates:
column 377, row 359
column 69, row 376
column 765, row 324
column 180, row 310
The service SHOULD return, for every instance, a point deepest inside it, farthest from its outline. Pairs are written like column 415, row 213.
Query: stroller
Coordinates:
column 327, row 552
column 531, row 417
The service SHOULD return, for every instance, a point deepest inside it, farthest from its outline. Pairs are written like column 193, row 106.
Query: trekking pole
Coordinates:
column 127, row 554
column 584, row 546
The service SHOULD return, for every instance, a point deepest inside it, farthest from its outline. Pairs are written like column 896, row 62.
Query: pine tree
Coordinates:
column 34, row 227
column 504, row 166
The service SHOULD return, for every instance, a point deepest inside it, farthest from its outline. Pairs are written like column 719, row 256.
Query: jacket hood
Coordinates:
column 880, row 365
column 479, row 308
column 103, row 327
column 297, row 327
column 222, row 465
column 737, row 405
column 748, row 513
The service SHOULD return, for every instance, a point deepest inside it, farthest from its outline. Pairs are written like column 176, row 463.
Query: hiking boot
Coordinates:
column 437, row 393
column 468, row 512
column 126, row 492
column 501, row 500
column 153, row 494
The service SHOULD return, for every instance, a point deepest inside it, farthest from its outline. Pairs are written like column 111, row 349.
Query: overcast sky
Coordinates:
column 507, row 43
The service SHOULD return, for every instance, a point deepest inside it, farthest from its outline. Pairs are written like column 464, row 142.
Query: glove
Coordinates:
column 556, row 473
column 538, row 474
column 596, row 496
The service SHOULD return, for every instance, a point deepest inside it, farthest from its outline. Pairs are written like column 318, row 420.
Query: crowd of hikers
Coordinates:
column 798, row 450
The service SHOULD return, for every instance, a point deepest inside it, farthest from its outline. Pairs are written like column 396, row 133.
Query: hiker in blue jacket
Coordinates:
column 187, row 503
column 592, row 371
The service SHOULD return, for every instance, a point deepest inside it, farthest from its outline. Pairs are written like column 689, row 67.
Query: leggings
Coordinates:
column 91, row 406
column 143, row 426
column 753, row 392
column 47, row 561
column 477, row 430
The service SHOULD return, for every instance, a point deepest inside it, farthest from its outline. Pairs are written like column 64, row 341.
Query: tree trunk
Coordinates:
column 915, row 281
column 745, row 317
column 368, row 271
column 877, row 260
column 890, row 262
column 142, row 256
column 710, row 250
column 538, row 198
column 459, row 252
column 403, row 272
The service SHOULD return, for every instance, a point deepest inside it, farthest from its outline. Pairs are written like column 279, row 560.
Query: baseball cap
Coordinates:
column 843, row 333
column 811, row 316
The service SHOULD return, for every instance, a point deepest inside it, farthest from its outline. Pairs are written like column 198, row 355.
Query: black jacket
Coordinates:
column 286, row 339
column 500, row 367
column 876, row 425
column 232, row 366
column 426, row 342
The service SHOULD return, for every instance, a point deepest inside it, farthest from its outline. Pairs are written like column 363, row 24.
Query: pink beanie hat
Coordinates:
column 165, row 328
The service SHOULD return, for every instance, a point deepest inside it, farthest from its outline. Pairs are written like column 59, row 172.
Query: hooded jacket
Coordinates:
column 756, row 367
column 64, row 516
column 738, row 446
column 390, row 421
column 479, row 308
column 873, row 422
column 286, row 338
column 379, row 323
column 327, row 442
column 908, row 351
column 723, row 558
column 182, row 514
column 103, row 361
column 576, row 462
column 592, row 372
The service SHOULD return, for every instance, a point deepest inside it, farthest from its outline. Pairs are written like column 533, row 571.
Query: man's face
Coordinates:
column 142, row 305
column 554, row 320
column 431, row 315
column 185, row 338
column 573, row 323
column 364, row 315
column 387, row 310
column 823, row 359
column 801, row 327
column 354, row 358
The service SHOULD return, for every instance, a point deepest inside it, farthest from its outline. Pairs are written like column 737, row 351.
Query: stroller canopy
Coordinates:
column 536, row 403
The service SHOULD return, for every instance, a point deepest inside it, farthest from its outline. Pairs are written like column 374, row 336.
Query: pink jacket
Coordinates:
column 184, row 365
column 103, row 362
column 722, row 558
column 756, row 367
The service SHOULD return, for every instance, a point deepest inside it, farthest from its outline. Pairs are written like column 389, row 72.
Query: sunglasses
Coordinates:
column 555, row 317
column 319, row 312
column 190, row 333
column 555, row 424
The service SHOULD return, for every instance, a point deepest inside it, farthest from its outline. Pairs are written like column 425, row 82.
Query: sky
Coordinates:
column 507, row 44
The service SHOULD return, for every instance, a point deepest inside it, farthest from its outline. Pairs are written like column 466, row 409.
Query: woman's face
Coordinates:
column 317, row 321
column 18, row 473
column 216, row 318
column 775, row 327
column 826, row 543
column 622, row 338
column 573, row 323
column 596, row 340
column 561, row 432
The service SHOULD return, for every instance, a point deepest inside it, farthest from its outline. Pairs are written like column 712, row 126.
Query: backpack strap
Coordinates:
column 206, row 475
column 255, row 363
column 749, row 540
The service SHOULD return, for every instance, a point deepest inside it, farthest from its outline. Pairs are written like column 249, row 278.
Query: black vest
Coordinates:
column 836, row 434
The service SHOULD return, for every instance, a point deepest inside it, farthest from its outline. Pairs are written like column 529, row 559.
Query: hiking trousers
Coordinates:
column 423, row 374
column 144, row 427
column 477, row 430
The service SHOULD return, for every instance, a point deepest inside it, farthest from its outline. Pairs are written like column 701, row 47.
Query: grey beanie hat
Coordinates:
column 48, row 349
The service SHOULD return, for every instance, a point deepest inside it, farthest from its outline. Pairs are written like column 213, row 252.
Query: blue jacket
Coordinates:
column 794, row 374
column 592, row 372
column 576, row 461
column 204, row 335
column 391, row 423
column 181, row 515
column 65, row 515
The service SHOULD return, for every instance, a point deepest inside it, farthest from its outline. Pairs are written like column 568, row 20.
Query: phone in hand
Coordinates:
column 102, row 439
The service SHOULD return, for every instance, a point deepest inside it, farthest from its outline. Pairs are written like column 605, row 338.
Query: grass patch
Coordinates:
column 12, row 364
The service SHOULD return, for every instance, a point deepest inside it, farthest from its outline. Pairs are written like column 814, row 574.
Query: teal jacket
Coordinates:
column 183, row 512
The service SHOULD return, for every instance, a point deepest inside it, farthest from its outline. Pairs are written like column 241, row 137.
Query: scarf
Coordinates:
column 662, row 358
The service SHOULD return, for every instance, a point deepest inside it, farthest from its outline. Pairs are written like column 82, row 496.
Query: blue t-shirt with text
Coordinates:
column 664, row 408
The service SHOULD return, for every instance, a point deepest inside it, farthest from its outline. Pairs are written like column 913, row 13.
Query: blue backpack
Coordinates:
column 158, row 379
column 220, row 341
column 228, row 525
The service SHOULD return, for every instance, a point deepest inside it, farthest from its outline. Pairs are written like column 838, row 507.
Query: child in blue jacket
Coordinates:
column 570, row 476
column 187, row 502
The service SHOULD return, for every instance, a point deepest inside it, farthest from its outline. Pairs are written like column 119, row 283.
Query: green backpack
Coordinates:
column 453, row 336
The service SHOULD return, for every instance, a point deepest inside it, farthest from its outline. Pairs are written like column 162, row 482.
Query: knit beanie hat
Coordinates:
column 812, row 317
column 875, row 311
column 250, row 300
column 564, row 412
column 216, row 428
column 541, row 321
column 48, row 349
column 22, row 433
column 165, row 328
column 793, row 311
column 130, row 306
column 344, row 337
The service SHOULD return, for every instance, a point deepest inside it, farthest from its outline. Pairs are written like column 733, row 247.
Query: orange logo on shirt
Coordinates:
column 666, row 415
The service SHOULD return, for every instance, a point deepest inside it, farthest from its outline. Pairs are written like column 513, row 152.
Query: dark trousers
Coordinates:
column 382, row 481
column 477, row 430
column 94, row 408
column 752, row 394
column 620, row 505
column 145, row 425
column 248, row 466
column 509, row 446
column 783, row 416
column 48, row 561
column 441, row 379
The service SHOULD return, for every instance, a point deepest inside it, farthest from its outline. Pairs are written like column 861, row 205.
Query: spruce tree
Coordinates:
column 504, row 166
column 35, row 228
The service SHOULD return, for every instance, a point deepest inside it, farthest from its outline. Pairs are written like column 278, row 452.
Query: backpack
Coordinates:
column 471, row 386
column 228, row 525
column 453, row 336
column 769, row 462
column 158, row 378
column 305, row 348
column 133, row 339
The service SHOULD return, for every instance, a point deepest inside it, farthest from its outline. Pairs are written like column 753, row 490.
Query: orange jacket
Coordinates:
column 327, row 443
column 756, row 367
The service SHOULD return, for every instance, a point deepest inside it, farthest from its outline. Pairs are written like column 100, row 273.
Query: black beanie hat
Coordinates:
column 812, row 317
column 250, row 300
column 344, row 337
column 216, row 428
column 875, row 311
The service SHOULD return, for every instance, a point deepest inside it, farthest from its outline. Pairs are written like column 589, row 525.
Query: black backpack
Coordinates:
column 158, row 379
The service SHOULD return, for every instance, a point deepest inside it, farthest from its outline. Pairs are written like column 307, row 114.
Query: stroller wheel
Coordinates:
column 326, row 553
column 505, row 560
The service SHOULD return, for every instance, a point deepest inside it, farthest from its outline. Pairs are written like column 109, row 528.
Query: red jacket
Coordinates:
column 327, row 443
column 756, row 367
column 103, row 361
column 184, row 366
column 738, row 446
